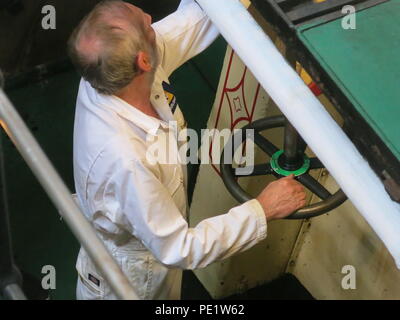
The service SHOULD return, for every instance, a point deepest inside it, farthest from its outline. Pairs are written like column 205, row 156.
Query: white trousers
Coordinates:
column 149, row 278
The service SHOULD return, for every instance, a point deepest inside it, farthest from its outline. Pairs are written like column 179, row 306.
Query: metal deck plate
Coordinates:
column 365, row 64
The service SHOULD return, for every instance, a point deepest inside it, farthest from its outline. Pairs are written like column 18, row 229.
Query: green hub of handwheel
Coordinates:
column 279, row 170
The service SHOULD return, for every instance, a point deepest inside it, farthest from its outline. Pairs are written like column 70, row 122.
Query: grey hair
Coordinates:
column 113, row 65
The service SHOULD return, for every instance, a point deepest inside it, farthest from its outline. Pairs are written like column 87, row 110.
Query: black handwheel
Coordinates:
column 291, row 160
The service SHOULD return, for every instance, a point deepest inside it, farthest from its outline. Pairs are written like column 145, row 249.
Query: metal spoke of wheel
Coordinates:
column 315, row 163
column 268, row 147
column 314, row 186
column 256, row 170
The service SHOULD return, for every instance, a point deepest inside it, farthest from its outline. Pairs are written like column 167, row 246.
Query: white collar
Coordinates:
column 140, row 119
column 147, row 123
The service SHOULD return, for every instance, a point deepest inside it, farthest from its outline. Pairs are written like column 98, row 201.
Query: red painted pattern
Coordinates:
column 234, row 97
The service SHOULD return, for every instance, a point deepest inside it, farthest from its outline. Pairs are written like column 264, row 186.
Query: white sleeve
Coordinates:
column 157, row 222
column 183, row 34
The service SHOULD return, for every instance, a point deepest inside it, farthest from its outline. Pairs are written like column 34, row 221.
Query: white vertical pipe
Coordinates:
column 310, row 118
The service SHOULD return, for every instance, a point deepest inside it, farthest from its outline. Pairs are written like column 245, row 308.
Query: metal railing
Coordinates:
column 61, row 197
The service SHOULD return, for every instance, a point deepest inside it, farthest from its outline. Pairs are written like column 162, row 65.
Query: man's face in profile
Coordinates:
column 144, row 21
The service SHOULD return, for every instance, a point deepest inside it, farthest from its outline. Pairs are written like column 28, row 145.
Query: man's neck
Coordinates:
column 137, row 94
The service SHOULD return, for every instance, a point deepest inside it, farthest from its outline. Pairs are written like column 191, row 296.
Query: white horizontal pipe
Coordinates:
column 310, row 118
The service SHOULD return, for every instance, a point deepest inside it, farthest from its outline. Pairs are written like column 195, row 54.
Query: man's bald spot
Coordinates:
column 117, row 16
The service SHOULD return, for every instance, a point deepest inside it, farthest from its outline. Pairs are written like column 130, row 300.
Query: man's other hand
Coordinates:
column 282, row 197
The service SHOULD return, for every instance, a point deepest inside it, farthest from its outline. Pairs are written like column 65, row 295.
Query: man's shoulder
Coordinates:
column 120, row 150
column 103, row 154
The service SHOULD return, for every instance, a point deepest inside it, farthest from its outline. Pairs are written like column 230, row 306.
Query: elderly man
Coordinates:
column 139, row 207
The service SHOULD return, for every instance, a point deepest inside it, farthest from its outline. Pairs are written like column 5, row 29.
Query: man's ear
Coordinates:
column 143, row 61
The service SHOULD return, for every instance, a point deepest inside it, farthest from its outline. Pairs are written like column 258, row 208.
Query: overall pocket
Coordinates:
column 92, row 282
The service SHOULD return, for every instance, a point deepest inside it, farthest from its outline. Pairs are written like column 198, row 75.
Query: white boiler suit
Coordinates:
column 138, row 208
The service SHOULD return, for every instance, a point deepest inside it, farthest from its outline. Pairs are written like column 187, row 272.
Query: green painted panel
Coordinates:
column 365, row 64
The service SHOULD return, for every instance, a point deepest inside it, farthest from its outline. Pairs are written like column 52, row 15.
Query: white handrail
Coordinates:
column 62, row 199
column 309, row 117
